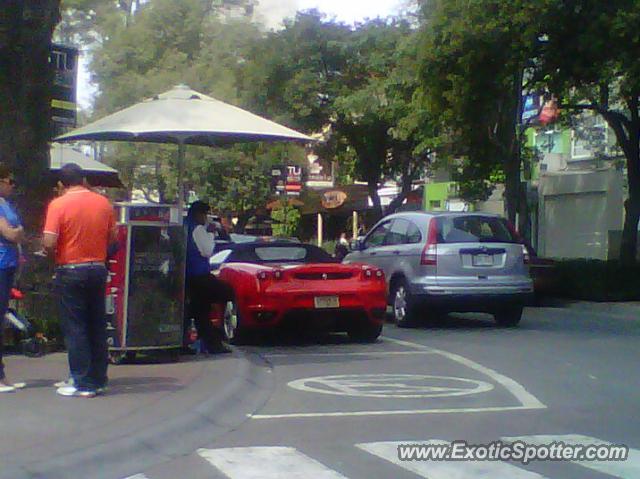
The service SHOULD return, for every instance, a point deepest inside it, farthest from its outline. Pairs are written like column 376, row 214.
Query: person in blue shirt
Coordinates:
column 11, row 235
column 202, row 288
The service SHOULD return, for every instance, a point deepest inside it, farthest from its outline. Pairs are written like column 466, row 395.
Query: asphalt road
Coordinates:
column 339, row 410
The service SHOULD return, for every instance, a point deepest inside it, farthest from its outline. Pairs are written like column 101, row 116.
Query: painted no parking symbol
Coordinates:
column 398, row 386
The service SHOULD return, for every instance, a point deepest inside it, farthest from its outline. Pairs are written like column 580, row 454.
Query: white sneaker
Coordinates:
column 6, row 388
column 72, row 391
column 9, row 388
column 66, row 382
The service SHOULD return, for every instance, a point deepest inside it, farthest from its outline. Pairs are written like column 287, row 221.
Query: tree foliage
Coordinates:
column 474, row 54
column 318, row 73
column 139, row 49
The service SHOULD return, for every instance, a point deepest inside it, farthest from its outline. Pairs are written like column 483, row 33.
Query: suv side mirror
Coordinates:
column 357, row 244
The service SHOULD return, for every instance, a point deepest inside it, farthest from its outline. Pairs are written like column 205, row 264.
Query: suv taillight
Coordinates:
column 516, row 236
column 430, row 251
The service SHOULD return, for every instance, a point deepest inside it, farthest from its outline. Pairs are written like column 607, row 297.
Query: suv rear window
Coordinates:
column 473, row 229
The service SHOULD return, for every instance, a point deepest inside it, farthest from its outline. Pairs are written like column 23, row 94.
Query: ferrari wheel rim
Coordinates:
column 230, row 320
column 400, row 303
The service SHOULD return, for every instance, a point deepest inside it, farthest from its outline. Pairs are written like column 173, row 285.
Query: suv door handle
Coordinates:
column 372, row 253
column 396, row 252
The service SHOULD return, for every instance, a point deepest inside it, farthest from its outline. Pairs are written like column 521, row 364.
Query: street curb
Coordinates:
column 616, row 310
column 122, row 456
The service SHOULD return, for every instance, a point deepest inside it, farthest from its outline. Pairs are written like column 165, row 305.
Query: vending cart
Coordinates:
column 145, row 290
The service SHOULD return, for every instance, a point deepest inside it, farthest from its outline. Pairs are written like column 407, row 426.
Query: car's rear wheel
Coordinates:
column 508, row 317
column 365, row 332
column 402, row 304
column 231, row 322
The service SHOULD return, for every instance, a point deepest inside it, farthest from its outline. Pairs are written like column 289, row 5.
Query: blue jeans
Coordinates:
column 6, row 283
column 81, row 297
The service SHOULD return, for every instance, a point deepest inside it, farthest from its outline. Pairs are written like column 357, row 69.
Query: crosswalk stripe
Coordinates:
column 447, row 470
column 629, row 469
column 267, row 463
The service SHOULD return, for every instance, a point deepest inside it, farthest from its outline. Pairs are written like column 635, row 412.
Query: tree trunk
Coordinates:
column 243, row 219
column 512, row 146
column 511, row 189
column 629, row 246
column 10, row 14
column 627, row 131
column 26, row 80
column 160, row 181
column 376, row 213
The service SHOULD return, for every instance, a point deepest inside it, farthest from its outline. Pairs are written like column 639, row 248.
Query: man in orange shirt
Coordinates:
column 79, row 226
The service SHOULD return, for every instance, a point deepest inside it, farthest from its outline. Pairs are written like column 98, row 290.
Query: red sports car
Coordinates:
column 298, row 285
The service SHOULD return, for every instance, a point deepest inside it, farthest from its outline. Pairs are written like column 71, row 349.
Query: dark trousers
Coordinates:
column 81, row 297
column 203, row 290
column 6, row 283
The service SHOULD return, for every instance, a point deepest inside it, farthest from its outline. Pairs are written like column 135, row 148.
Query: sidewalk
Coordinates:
column 628, row 309
column 152, row 411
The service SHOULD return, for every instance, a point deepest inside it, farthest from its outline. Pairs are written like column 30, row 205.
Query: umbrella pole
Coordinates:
column 181, row 155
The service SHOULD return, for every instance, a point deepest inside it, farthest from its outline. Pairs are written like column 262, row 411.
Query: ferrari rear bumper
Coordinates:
column 304, row 309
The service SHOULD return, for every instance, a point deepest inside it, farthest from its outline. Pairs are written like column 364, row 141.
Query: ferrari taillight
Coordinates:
column 269, row 275
column 373, row 273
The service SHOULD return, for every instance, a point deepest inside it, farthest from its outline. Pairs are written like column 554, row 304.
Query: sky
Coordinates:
column 348, row 11
column 273, row 12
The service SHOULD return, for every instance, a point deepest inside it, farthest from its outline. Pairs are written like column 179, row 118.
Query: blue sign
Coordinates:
column 531, row 105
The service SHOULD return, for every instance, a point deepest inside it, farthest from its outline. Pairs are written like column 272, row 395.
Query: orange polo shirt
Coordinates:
column 83, row 221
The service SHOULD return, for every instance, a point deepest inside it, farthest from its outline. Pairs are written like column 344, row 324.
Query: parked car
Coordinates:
column 544, row 273
column 444, row 262
column 285, row 283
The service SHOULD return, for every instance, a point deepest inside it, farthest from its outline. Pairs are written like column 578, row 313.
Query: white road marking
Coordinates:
column 267, row 463
column 400, row 412
column 137, row 476
column 337, row 354
column 408, row 344
column 399, row 386
column 447, row 470
column 629, row 469
column 527, row 399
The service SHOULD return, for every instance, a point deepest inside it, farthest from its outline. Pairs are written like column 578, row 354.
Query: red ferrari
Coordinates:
column 298, row 285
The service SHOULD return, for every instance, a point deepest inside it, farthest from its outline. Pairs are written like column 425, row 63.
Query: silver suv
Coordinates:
column 444, row 262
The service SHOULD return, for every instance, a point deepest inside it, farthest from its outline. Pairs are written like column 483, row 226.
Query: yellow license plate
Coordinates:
column 323, row 302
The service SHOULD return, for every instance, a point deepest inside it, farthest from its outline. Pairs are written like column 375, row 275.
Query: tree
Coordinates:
column 237, row 180
column 474, row 54
column 26, row 80
column 588, row 58
column 317, row 73
column 143, row 48
column 288, row 217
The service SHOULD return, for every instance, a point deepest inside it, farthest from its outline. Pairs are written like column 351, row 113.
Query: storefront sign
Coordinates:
column 333, row 199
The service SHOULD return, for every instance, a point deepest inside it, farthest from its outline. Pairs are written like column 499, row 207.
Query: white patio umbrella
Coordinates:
column 184, row 117
column 97, row 173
